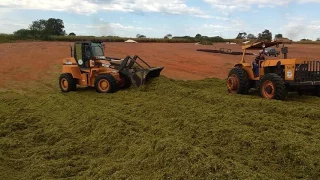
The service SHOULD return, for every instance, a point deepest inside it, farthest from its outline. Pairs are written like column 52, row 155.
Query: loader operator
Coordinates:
column 86, row 57
column 256, row 65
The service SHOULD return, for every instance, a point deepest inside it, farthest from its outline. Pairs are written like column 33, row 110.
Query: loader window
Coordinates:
column 97, row 49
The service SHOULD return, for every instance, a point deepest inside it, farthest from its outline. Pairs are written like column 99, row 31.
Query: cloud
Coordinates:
column 9, row 24
column 314, row 25
column 246, row 5
column 174, row 7
column 298, row 28
column 102, row 28
column 229, row 29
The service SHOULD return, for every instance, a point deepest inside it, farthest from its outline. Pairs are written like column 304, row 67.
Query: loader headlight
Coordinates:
column 80, row 62
column 289, row 74
column 106, row 65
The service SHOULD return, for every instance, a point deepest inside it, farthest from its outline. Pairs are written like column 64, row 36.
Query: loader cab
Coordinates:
column 86, row 51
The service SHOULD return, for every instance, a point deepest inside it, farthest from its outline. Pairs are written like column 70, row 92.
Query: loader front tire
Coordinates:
column 317, row 91
column 105, row 83
column 238, row 82
column 67, row 82
column 125, row 82
column 272, row 87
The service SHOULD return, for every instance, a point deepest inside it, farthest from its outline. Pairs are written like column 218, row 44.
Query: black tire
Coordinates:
column 127, row 81
column 272, row 87
column 107, row 78
column 317, row 91
column 67, row 83
column 238, row 82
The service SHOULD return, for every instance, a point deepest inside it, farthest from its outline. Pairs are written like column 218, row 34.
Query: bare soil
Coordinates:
column 33, row 61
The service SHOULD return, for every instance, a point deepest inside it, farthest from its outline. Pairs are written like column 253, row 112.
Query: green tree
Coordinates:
column 72, row 34
column 37, row 28
column 43, row 28
column 23, row 33
column 251, row 36
column 242, row 35
column 278, row 36
column 198, row 36
column 168, row 36
column 265, row 35
column 141, row 36
column 54, row 27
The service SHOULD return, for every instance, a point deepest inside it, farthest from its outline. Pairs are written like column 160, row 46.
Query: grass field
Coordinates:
column 165, row 130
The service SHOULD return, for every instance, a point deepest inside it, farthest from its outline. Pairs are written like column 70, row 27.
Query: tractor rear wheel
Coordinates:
column 67, row 82
column 272, row 87
column 125, row 81
column 105, row 83
column 238, row 82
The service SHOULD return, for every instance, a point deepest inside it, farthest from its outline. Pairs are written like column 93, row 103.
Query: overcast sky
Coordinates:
column 295, row 19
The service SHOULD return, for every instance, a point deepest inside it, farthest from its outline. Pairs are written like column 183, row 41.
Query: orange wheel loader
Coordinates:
column 89, row 67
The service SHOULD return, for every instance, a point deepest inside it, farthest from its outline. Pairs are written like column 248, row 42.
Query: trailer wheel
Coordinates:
column 272, row 87
column 125, row 81
column 67, row 82
column 105, row 83
column 237, row 81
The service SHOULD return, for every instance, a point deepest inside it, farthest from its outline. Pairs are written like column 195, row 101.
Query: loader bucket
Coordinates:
column 142, row 76
column 139, row 72
column 154, row 72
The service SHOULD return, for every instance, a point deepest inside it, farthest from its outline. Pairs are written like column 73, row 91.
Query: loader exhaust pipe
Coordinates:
column 284, row 51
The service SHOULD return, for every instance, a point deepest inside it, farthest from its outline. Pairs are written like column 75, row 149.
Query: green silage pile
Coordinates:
column 165, row 130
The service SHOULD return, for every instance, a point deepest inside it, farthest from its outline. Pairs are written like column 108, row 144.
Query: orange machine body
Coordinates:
column 87, row 76
column 274, row 78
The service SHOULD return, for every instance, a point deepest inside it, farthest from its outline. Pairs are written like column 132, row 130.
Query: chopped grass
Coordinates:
column 165, row 130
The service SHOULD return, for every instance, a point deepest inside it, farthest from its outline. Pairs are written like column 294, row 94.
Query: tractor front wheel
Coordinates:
column 67, row 82
column 238, row 82
column 105, row 83
column 272, row 87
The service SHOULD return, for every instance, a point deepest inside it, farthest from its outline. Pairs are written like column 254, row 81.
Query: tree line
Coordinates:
column 42, row 29
column 265, row 35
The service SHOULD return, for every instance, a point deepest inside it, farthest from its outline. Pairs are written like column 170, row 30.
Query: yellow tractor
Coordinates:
column 274, row 78
column 89, row 67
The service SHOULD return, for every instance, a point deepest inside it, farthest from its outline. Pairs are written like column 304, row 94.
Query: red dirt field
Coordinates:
column 33, row 61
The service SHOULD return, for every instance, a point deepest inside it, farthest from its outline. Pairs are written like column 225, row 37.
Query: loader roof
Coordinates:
column 259, row 45
column 88, row 42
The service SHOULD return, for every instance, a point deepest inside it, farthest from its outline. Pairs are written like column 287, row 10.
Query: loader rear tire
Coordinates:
column 125, row 81
column 67, row 83
column 272, row 87
column 105, row 83
column 238, row 82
